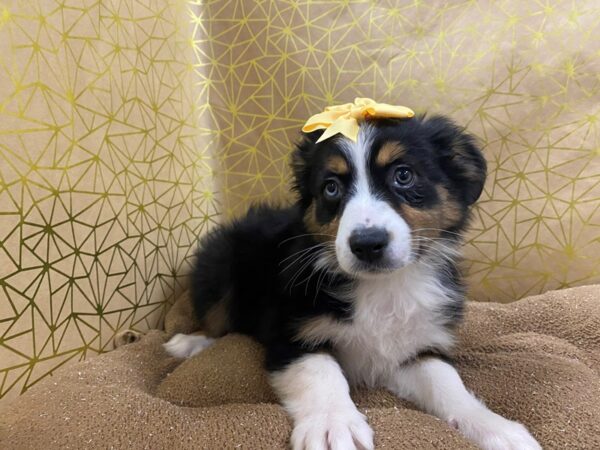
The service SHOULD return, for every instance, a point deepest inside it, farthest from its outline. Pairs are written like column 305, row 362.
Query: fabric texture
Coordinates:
column 130, row 127
column 536, row 360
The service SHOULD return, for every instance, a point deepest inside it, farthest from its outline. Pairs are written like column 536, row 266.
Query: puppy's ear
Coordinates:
column 459, row 156
column 302, row 157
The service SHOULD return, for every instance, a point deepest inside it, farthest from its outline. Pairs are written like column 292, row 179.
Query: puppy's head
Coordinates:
column 397, row 193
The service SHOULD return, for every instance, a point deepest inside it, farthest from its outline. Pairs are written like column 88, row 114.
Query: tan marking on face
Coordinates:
column 389, row 152
column 450, row 210
column 338, row 165
column 430, row 222
column 422, row 222
column 323, row 232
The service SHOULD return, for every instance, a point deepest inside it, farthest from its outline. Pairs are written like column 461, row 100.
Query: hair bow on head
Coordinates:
column 344, row 118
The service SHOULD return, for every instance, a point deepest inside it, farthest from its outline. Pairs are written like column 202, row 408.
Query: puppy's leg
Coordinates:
column 436, row 387
column 186, row 345
column 315, row 393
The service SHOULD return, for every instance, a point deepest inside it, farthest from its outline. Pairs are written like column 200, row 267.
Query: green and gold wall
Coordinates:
column 128, row 128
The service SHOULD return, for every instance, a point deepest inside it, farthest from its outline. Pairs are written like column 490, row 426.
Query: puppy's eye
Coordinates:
column 332, row 190
column 403, row 177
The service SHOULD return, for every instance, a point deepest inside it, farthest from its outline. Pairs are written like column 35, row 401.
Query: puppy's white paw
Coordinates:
column 338, row 430
column 491, row 431
column 186, row 346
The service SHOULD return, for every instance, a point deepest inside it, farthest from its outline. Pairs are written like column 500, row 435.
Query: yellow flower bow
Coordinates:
column 344, row 118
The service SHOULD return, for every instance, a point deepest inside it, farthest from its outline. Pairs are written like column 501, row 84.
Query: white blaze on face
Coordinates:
column 364, row 209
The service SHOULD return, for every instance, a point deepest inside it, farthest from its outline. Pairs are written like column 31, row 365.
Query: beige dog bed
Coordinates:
column 536, row 361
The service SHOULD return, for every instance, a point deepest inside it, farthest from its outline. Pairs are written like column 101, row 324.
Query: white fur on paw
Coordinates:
column 186, row 346
column 341, row 430
column 491, row 431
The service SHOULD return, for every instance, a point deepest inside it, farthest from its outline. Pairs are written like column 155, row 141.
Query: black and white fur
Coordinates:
column 356, row 283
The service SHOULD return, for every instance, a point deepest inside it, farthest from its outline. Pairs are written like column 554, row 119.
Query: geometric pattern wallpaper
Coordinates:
column 105, row 176
column 127, row 127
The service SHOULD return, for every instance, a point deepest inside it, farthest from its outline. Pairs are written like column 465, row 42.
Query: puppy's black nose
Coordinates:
column 368, row 244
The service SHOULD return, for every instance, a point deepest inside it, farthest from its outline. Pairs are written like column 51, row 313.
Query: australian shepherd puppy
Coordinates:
column 357, row 283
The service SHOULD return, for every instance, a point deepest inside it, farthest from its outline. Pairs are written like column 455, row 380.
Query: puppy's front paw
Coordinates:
column 186, row 346
column 339, row 430
column 493, row 432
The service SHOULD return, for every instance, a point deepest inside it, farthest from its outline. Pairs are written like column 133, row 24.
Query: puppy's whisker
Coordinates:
column 297, row 274
column 437, row 229
column 318, row 267
column 447, row 253
column 439, row 249
column 309, row 256
column 314, row 270
column 322, row 253
column 298, row 260
column 304, row 235
column 320, row 280
column 433, row 264
column 437, row 239
column 329, row 260
column 303, row 251
column 451, row 247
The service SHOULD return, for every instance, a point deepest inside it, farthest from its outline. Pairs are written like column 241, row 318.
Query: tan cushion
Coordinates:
column 536, row 361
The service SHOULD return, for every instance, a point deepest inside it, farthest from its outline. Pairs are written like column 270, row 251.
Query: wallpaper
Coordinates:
column 105, row 176
column 127, row 127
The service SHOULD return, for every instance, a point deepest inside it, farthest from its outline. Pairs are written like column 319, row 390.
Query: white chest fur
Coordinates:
column 394, row 318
